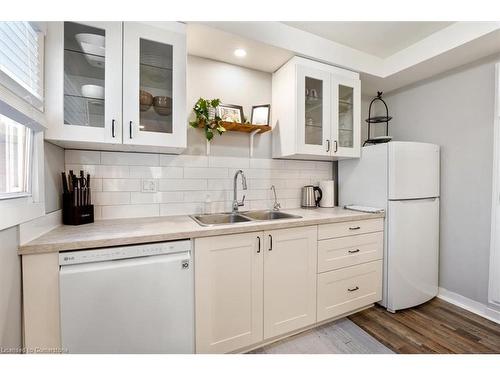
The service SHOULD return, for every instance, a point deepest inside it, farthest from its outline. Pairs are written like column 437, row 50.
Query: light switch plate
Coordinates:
column 149, row 185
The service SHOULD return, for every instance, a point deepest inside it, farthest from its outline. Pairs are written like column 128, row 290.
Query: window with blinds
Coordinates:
column 21, row 61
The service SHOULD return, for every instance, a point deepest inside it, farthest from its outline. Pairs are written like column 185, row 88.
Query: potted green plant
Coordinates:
column 205, row 111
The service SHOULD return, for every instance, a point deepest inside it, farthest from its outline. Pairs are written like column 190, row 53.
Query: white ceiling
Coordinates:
column 414, row 50
column 381, row 39
column 218, row 45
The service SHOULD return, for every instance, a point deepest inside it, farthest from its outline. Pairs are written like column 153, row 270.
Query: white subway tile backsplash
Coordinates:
column 211, row 173
column 102, row 198
column 159, row 197
column 113, row 171
column 220, row 184
column 181, row 184
column 129, row 158
column 184, row 160
column 82, row 157
column 121, row 184
column 228, row 162
column 184, row 181
column 201, row 196
column 300, row 164
column 130, row 211
column 267, row 164
column 324, row 166
column 183, row 208
column 156, row 172
column 96, row 184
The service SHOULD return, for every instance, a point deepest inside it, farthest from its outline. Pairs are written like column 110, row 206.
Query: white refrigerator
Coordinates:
column 403, row 179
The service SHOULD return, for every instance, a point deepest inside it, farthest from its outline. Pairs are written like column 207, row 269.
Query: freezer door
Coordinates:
column 138, row 305
column 413, row 170
column 412, row 252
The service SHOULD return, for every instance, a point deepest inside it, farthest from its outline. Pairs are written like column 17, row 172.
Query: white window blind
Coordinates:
column 21, row 61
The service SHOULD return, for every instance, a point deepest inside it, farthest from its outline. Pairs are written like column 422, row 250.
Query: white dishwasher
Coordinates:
column 131, row 299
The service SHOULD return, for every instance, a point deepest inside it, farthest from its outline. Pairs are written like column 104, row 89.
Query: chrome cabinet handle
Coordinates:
column 258, row 249
column 327, row 145
column 113, row 128
column 353, row 251
column 270, row 243
column 354, row 228
column 336, row 146
column 130, row 129
column 352, row 289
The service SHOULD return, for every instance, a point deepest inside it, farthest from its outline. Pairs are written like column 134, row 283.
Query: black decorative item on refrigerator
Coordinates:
column 377, row 120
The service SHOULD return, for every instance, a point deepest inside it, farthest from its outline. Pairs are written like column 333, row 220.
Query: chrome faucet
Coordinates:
column 276, row 205
column 237, row 204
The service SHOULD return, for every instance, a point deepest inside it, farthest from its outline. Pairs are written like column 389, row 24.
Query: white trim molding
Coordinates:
column 494, row 275
column 468, row 304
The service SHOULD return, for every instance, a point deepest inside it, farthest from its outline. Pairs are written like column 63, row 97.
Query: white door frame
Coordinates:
column 494, row 282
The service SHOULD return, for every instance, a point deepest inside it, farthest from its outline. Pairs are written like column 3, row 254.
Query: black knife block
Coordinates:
column 76, row 215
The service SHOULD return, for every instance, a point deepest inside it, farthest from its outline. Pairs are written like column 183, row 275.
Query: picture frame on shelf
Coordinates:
column 260, row 114
column 230, row 113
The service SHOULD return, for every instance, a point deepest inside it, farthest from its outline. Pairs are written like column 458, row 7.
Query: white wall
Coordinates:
column 456, row 112
column 232, row 84
column 54, row 165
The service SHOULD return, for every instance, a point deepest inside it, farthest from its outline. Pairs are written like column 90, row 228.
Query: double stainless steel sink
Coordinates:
column 234, row 218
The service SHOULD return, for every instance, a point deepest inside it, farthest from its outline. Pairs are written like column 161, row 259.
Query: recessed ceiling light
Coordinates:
column 240, row 52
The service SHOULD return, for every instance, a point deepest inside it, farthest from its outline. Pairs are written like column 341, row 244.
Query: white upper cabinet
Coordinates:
column 94, row 67
column 316, row 111
column 154, row 66
column 83, row 82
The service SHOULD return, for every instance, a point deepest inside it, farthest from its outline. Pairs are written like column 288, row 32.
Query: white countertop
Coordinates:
column 105, row 233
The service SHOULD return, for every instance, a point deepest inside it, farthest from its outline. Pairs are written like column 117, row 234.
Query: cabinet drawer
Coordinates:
column 348, row 289
column 348, row 251
column 350, row 228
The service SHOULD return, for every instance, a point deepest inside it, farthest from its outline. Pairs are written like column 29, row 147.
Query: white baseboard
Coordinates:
column 470, row 305
column 35, row 228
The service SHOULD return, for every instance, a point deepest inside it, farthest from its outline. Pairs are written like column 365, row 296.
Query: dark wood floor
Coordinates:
column 434, row 327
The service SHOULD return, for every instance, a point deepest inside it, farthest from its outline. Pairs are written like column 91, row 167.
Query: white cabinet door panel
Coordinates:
column 290, row 257
column 228, row 292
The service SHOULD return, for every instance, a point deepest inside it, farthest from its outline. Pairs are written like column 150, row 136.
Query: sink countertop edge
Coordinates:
column 121, row 232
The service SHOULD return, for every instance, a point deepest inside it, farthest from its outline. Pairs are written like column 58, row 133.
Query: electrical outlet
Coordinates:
column 149, row 186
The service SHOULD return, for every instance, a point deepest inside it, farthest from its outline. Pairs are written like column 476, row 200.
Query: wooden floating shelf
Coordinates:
column 244, row 128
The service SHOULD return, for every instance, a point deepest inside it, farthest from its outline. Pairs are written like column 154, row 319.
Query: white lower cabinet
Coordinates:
column 348, row 289
column 228, row 292
column 289, row 280
column 253, row 287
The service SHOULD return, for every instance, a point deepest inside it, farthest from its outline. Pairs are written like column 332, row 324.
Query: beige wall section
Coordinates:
column 54, row 165
column 232, row 84
column 10, row 290
column 41, row 302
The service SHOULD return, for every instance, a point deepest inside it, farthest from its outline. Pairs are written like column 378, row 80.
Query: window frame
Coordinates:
column 17, row 210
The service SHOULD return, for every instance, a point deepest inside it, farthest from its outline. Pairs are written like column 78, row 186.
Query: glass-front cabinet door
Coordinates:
column 313, row 111
column 154, row 80
column 83, row 81
column 346, row 111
